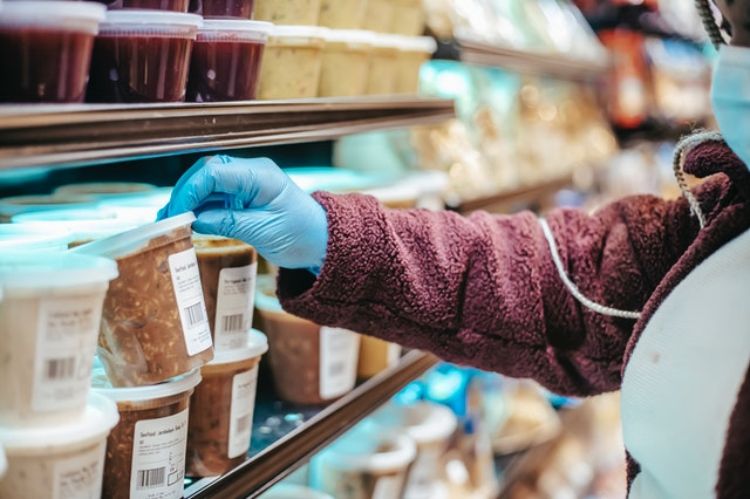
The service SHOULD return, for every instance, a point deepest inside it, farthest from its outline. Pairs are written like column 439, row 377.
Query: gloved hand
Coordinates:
column 255, row 201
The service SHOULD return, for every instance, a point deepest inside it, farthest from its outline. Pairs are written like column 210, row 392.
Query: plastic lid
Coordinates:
column 53, row 270
column 63, row 15
column 362, row 449
column 175, row 386
column 425, row 44
column 106, row 189
column 295, row 31
column 242, row 29
column 353, row 36
column 98, row 419
column 386, row 41
column 151, row 22
column 257, row 345
column 425, row 422
column 132, row 240
column 14, row 236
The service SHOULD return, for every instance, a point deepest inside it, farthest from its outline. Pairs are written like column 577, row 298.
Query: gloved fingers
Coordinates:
column 215, row 221
column 165, row 212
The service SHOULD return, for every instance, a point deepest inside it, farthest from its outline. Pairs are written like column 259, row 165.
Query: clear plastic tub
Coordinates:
column 346, row 59
column 142, row 56
column 342, row 14
column 146, row 450
column 105, row 190
column 366, row 463
column 408, row 17
column 49, row 321
column 431, row 426
column 222, row 407
column 172, row 5
column 381, row 75
column 15, row 205
column 59, row 461
column 45, row 58
column 375, row 356
column 241, row 9
column 23, row 237
column 228, row 270
column 226, row 58
column 154, row 325
column 292, row 62
column 413, row 52
column 296, row 12
column 378, row 16
column 311, row 364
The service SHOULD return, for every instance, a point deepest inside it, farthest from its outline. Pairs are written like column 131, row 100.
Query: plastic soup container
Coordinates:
column 413, row 52
column 222, row 407
column 154, row 324
column 228, row 270
column 225, row 64
column 146, row 450
column 61, row 460
column 45, row 49
column 311, row 364
column 241, row 9
column 378, row 16
column 408, row 17
column 142, row 56
column 49, row 319
column 366, row 463
column 292, row 62
column 301, row 12
column 431, row 426
column 173, row 5
column 346, row 58
column 342, row 14
column 381, row 75
column 375, row 356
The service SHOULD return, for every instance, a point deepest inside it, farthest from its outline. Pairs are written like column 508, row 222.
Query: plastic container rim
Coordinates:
column 174, row 386
column 128, row 20
column 53, row 269
column 60, row 15
column 256, row 346
column 248, row 29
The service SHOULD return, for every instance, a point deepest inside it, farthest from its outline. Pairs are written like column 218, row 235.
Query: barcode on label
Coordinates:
column 194, row 314
column 60, row 369
column 233, row 323
column 148, row 479
column 243, row 423
column 336, row 369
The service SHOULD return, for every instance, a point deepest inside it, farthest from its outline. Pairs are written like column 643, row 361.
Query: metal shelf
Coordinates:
column 285, row 455
column 79, row 134
column 537, row 63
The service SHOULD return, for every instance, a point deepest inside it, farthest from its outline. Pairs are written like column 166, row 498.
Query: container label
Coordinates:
column 79, row 476
column 66, row 344
column 234, row 307
column 241, row 412
column 188, row 293
column 339, row 351
column 158, row 465
column 388, row 487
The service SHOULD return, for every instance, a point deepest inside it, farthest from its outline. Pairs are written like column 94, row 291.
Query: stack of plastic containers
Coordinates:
column 292, row 62
column 53, row 431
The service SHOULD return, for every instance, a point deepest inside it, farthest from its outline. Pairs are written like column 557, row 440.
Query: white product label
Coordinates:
column 79, row 476
column 188, row 293
column 394, row 354
column 388, row 487
column 66, row 343
column 241, row 412
column 339, row 350
column 234, row 307
column 158, row 465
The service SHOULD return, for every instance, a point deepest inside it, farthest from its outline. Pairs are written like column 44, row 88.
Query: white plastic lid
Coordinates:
column 59, row 15
column 288, row 491
column 31, row 236
column 131, row 241
column 386, row 41
column 298, row 31
column 351, row 36
column 151, row 22
column 425, row 422
column 361, row 449
column 175, row 386
column 425, row 44
column 257, row 345
column 24, row 270
column 235, row 29
column 106, row 189
column 39, row 202
column 97, row 421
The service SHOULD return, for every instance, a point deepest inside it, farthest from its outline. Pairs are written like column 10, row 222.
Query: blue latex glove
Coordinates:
column 255, row 201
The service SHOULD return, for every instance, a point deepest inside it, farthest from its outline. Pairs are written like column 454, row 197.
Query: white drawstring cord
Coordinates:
column 590, row 304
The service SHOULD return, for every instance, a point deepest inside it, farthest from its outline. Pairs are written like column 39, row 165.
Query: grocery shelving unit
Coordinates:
column 74, row 135
column 276, row 461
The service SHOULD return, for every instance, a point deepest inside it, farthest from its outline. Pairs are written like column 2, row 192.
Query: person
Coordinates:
column 646, row 295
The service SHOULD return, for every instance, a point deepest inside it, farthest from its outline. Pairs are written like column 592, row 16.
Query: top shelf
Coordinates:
column 80, row 134
column 542, row 64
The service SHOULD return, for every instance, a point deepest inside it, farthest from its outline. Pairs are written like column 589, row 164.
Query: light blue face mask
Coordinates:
column 731, row 98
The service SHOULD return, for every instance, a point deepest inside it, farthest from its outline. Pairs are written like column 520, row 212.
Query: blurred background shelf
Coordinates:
column 526, row 195
column 75, row 135
column 273, row 461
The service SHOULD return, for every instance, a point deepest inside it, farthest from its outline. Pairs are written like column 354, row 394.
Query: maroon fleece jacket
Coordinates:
column 483, row 290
